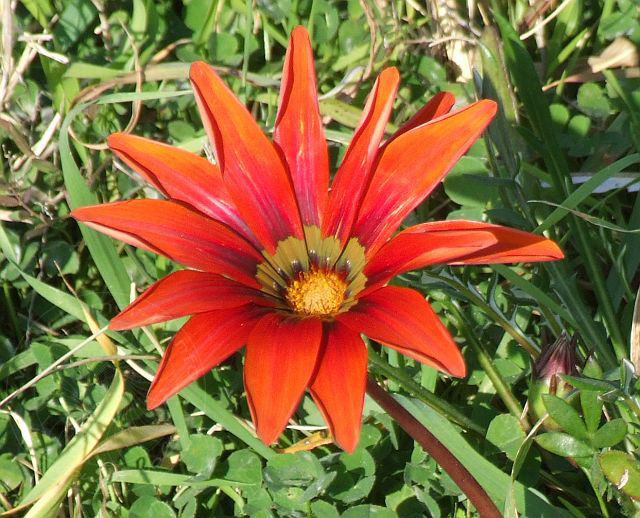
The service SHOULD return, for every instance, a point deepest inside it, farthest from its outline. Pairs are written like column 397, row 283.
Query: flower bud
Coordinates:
column 557, row 358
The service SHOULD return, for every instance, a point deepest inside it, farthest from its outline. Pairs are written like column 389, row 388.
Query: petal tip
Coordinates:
column 198, row 69
column 299, row 31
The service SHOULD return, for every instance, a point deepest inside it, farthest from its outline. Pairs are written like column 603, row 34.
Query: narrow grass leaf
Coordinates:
column 132, row 436
column 163, row 478
column 80, row 447
column 585, row 190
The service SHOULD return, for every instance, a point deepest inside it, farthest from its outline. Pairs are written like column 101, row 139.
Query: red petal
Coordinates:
column 185, row 293
column 423, row 245
column 186, row 236
column 339, row 385
column 282, row 353
column 203, row 342
column 512, row 246
column 181, row 176
column 351, row 180
column 253, row 172
column 402, row 319
column 298, row 130
column 439, row 105
column 411, row 166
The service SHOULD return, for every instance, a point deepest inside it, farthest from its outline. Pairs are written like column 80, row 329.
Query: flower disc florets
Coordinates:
column 316, row 293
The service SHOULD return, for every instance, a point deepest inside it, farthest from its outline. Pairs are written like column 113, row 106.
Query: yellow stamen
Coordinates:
column 316, row 293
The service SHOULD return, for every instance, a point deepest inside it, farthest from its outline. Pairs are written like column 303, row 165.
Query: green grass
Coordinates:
column 195, row 456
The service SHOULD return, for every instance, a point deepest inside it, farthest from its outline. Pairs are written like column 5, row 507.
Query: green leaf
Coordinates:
column 490, row 477
column 622, row 470
column 51, row 488
column 610, row 434
column 564, row 445
column 369, row 511
column 244, row 466
column 202, row 454
column 591, row 409
column 297, row 469
column 74, row 21
column 133, row 435
column 565, row 415
column 592, row 100
column 102, row 250
column 506, row 433
column 198, row 397
column 148, row 506
column 163, row 478
column 585, row 190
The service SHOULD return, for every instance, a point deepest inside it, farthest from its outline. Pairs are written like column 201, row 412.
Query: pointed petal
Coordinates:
column 402, row 319
column 298, row 130
column 253, row 172
column 204, row 341
column 181, row 176
column 354, row 174
column 179, row 233
column 439, row 105
column 281, row 358
column 512, row 246
column 339, row 384
column 411, row 166
column 422, row 245
column 185, row 293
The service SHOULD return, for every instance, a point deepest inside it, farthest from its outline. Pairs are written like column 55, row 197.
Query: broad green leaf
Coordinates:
column 506, row 433
column 564, row 445
column 245, row 466
column 622, row 470
column 148, row 506
column 202, row 455
column 565, row 415
column 369, row 511
column 610, row 434
column 591, row 409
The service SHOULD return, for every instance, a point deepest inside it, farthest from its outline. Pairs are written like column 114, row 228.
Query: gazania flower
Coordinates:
column 279, row 264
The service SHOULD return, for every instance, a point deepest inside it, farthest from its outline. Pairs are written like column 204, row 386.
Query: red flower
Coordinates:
column 292, row 271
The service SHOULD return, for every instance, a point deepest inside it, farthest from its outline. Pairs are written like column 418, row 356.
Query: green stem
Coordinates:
column 444, row 408
column 486, row 362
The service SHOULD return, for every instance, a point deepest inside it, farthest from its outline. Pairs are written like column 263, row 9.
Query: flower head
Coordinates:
column 278, row 263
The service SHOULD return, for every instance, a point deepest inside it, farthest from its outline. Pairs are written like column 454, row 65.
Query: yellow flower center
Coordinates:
column 316, row 293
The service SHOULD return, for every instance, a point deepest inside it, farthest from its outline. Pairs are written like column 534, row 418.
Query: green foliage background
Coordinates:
column 560, row 158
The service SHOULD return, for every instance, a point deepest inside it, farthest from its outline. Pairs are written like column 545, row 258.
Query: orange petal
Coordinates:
column 512, row 246
column 203, row 342
column 282, row 353
column 402, row 319
column 439, row 105
column 254, row 174
column 181, row 176
column 422, row 245
column 411, row 166
column 339, row 384
column 179, row 233
column 185, row 293
column 352, row 178
column 298, row 130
